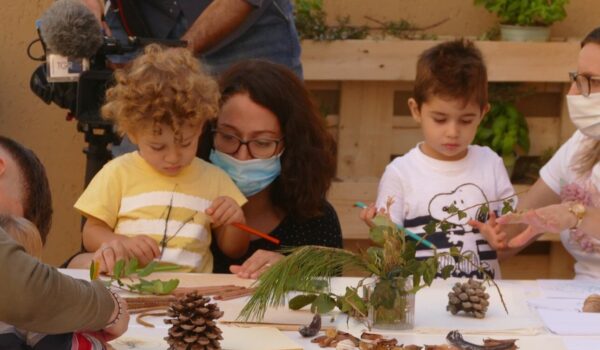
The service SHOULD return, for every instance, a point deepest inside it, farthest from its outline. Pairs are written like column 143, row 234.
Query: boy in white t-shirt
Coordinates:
column 450, row 100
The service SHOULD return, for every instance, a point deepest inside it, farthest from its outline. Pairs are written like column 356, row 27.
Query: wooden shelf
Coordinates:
column 395, row 60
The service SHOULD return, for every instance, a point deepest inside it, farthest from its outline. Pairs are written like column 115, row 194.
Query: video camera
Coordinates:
column 74, row 74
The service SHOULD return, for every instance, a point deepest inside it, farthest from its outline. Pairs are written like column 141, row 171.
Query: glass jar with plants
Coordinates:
column 526, row 20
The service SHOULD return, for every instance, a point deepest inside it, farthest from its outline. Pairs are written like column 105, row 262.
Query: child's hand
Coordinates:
column 225, row 211
column 492, row 232
column 367, row 214
column 109, row 253
column 143, row 248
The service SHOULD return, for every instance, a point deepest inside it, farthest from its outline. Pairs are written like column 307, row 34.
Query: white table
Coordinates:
column 432, row 321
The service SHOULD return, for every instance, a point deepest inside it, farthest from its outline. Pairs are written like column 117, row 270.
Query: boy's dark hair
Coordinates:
column 308, row 162
column 453, row 69
column 592, row 37
column 37, row 200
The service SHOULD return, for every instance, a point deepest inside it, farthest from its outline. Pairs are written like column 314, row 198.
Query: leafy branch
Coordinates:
column 444, row 225
column 137, row 284
column 311, row 23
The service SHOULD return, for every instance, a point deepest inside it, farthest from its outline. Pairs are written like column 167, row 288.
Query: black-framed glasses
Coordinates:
column 262, row 148
column 584, row 82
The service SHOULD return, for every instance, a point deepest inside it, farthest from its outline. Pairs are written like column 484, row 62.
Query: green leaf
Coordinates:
column 322, row 304
column 168, row 286
column 383, row 294
column 351, row 301
column 416, row 279
column 148, row 269
column 429, row 270
column 430, row 228
column 507, row 207
column 131, row 266
column 118, row 269
column 461, row 215
column 454, row 251
column 452, row 209
column 377, row 234
column 94, row 270
column 484, row 209
column 300, row 301
column 382, row 220
column 446, row 271
column 146, row 287
column 445, row 226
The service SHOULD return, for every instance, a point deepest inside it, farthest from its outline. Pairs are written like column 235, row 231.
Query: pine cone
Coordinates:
column 193, row 326
column 469, row 297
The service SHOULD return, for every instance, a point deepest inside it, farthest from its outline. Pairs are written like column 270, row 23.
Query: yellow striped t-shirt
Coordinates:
column 134, row 199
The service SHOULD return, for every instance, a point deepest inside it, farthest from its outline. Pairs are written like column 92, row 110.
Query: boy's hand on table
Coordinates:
column 143, row 248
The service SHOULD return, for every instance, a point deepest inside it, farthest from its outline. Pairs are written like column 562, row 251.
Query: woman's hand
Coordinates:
column 255, row 265
column 552, row 218
column 225, row 211
column 118, row 327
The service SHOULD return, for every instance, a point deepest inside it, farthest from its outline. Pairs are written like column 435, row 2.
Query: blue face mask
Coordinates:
column 250, row 176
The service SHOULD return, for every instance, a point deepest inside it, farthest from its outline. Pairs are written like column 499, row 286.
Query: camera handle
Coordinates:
column 97, row 136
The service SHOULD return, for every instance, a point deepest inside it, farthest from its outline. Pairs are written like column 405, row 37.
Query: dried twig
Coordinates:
column 140, row 317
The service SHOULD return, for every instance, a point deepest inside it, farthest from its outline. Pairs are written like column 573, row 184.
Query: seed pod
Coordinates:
column 313, row 328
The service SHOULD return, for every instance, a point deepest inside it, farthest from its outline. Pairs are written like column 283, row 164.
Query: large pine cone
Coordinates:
column 193, row 326
column 469, row 297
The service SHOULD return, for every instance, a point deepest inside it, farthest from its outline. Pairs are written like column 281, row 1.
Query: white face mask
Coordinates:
column 585, row 113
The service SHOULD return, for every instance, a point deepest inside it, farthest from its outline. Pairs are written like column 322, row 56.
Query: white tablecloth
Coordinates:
column 432, row 321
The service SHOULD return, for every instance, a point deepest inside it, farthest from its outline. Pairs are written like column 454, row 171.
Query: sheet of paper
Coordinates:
column 572, row 289
column 579, row 343
column 256, row 338
column 571, row 322
column 559, row 304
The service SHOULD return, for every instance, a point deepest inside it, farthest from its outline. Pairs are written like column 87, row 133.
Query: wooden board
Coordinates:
column 395, row 60
column 364, row 135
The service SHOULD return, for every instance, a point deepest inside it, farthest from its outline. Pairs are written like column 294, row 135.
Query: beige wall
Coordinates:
column 43, row 128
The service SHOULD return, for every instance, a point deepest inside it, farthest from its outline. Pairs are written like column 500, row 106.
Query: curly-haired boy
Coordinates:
column 161, row 202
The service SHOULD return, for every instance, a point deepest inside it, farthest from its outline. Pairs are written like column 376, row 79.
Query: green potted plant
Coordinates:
column 385, row 299
column 526, row 20
column 504, row 129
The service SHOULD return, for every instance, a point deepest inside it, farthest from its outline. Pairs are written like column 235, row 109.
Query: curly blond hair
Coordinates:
column 164, row 86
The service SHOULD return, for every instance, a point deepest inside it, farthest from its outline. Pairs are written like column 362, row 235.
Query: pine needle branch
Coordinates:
column 297, row 271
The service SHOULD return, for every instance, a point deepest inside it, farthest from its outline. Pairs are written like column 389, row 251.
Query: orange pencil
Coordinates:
column 256, row 233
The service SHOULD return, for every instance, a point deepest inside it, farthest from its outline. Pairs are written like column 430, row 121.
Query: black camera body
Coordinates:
column 82, row 90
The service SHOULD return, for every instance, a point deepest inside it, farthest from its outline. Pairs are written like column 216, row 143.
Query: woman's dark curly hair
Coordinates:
column 308, row 160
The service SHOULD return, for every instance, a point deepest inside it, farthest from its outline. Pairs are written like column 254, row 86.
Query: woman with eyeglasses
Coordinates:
column 273, row 143
column 566, row 198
